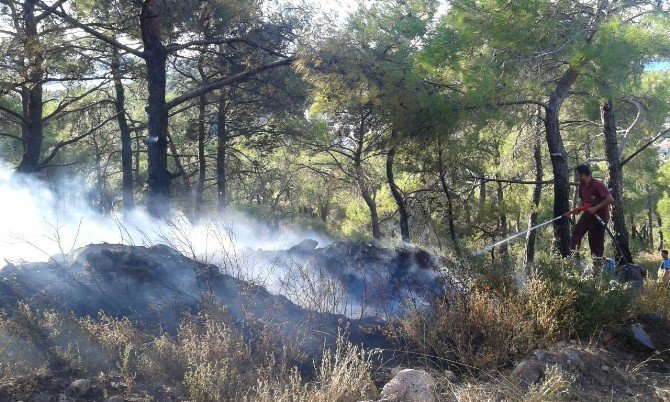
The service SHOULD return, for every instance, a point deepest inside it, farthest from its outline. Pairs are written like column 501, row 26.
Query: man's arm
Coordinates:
column 607, row 201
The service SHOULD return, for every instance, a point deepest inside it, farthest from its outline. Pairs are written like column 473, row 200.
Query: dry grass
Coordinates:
column 342, row 376
column 555, row 386
column 551, row 308
column 208, row 359
column 485, row 330
column 477, row 331
column 654, row 297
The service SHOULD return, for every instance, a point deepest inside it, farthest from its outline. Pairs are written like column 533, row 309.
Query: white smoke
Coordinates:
column 38, row 222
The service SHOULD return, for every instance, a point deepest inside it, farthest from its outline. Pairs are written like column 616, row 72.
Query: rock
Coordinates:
column 574, row 358
column 410, row 386
column 64, row 398
column 450, row 376
column 641, row 337
column 528, row 372
column 632, row 274
column 654, row 317
column 80, row 387
column 606, row 337
column 605, row 368
column 115, row 399
column 540, row 354
column 41, row 397
column 306, row 246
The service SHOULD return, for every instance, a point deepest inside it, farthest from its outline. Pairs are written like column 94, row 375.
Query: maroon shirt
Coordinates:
column 593, row 194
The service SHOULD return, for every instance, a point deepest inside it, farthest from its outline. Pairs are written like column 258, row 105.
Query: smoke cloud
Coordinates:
column 39, row 221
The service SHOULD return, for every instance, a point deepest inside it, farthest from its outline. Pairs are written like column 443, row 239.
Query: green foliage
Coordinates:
column 566, row 303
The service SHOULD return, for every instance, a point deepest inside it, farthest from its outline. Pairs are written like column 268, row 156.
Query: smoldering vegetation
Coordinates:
column 124, row 306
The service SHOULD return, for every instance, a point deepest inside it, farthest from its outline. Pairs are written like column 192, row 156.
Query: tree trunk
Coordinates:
column 650, row 219
column 372, row 206
column 202, row 165
column 502, row 218
column 222, row 144
column 397, row 196
column 360, row 179
column 155, row 56
column 615, row 181
column 500, row 202
column 531, row 237
column 126, row 141
column 661, row 240
column 482, row 195
column 559, row 160
column 32, row 127
column 450, row 203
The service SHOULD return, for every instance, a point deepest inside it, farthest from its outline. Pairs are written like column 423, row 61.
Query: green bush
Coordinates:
column 567, row 305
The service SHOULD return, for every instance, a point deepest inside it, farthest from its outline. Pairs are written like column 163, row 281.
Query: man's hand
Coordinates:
column 592, row 210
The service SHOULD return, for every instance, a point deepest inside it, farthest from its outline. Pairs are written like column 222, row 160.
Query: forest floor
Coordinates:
column 53, row 347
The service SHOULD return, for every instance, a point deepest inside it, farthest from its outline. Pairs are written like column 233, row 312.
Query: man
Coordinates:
column 595, row 193
column 664, row 269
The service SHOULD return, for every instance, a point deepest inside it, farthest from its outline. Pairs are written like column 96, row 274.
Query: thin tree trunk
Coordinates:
column 502, row 218
column 372, row 206
column 202, row 166
column 187, row 190
column 615, row 181
column 500, row 201
column 32, row 128
column 126, row 141
column 138, row 146
column 661, row 239
column 397, row 196
column 450, row 204
column 366, row 193
column 482, row 195
column 222, row 144
column 650, row 219
column 531, row 237
column 559, row 159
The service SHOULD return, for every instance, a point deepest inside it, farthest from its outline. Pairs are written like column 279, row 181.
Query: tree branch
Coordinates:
column 67, row 102
column 227, row 81
column 645, row 146
column 629, row 130
column 74, row 22
column 12, row 113
column 524, row 102
column 486, row 180
column 16, row 137
column 174, row 47
column 62, row 144
column 46, row 13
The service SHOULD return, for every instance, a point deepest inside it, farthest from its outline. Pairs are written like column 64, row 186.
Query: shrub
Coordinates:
column 565, row 304
column 477, row 331
column 654, row 298
column 219, row 363
column 342, row 376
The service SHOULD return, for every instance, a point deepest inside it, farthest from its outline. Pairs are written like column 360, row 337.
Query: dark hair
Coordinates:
column 664, row 251
column 583, row 169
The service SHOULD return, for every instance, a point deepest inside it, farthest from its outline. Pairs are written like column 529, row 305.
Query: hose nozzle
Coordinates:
column 577, row 211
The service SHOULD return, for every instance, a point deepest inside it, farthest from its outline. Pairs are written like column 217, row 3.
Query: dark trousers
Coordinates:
column 588, row 224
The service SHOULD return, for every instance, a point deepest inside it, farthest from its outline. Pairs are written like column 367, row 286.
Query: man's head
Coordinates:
column 664, row 253
column 583, row 174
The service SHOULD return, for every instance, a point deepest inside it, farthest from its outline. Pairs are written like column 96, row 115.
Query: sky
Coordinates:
column 658, row 66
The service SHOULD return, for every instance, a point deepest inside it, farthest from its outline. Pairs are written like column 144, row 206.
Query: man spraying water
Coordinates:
column 594, row 193
column 596, row 199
